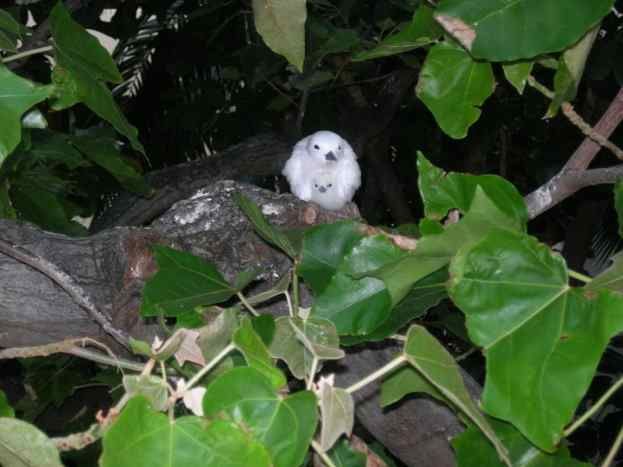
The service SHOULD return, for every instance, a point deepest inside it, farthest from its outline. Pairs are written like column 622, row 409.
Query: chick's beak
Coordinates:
column 330, row 156
column 322, row 189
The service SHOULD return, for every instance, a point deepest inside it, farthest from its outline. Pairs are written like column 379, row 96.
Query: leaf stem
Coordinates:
column 27, row 53
column 312, row 372
column 594, row 409
column 201, row 373
column 388, row 368
column 247, row 304
column 579, row 276
column 295, row 290
column 323, row 455
column 614, row 449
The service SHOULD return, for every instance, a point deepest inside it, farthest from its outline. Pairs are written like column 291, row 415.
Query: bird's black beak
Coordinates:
column 330, row 156
column 322, row 189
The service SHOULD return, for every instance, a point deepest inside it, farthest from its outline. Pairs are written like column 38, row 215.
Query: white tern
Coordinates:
column 323, row 168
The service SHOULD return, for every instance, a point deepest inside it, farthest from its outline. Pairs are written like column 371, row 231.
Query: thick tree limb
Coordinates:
column 574, row 176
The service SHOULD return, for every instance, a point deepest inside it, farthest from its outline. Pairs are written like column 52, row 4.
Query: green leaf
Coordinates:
column 355, row 306
column 434, row 252
column 297, row 341
column 66, row 92
column 5, row 408
column 435, row 364
column 264, row 326
column 214, row 337
column 80, row 50
column 570, row 71
column 425, row 294
column 531, row 323
column 284, row 425
column 152, row 388
column 142, row 437
column 324, row 248
column 407, row 381
column 23, row 445
column 370, row 254
column 281, row 23
column 421, row 31
column 9, row 24
column 48, row 210
column 97, row 97
column 10, row 31
column 517, row 74
column 343, row 455
column 473, row 450
column 256, row 354
column 443, row 191
column 182, row 283
column 102, row 151
column 454, row 102
column 337, row 411
column 611, row 279
column 497, row 30
column 53, row 148
column 262, row 227
column 17, row 95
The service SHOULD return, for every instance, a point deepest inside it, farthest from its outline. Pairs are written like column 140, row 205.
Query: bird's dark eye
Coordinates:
column 316, row 185
column 330, row 185
column 340, row 148
column 316, row 146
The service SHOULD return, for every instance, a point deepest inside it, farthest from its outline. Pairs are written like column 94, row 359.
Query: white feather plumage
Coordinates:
column 323, row 158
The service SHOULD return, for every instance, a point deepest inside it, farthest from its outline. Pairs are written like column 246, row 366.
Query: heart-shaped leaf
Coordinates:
column 532, row 324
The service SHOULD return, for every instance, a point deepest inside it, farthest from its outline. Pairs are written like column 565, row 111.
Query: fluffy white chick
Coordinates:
column 323, row 158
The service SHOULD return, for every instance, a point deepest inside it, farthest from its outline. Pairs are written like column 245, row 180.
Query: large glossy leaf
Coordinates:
column 425, row 294
column 87, row 66
column 142, row 437
column 23, row 445
column 543, row 339
column 343, row 455
column 434, row 252
column 284, row 425
column 437, row 366
column 17, row 95
column 355, row 306
column 281, row 23
column 421, row 31
column 324, row 248
column 182, row 283
column 499, row 30
column 473, row 450
column 443, row 191
column 455, row 103
column 75, row 46
column 256, row 354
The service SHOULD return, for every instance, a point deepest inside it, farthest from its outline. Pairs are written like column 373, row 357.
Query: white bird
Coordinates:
column 323, row 158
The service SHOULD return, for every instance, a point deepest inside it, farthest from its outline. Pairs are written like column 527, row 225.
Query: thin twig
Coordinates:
column 614, row 449
column 323, row 455
column 594, row 409
column 391, row 366
column 68, row 284
column 27, row 53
